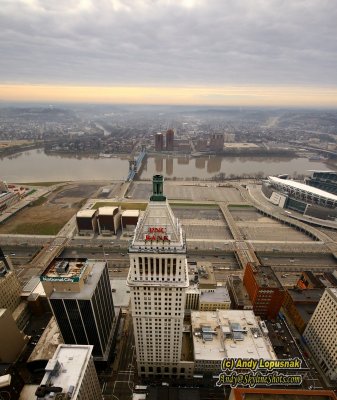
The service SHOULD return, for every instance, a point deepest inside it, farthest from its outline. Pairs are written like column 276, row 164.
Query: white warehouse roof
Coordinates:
column 130, row 213
column 107, row 210
column 86, row 213
column 303, row 187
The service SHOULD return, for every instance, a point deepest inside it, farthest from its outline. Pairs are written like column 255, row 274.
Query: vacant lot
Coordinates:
column 48, row 215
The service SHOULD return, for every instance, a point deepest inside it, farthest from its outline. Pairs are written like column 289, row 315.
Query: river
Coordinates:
column 36, row 166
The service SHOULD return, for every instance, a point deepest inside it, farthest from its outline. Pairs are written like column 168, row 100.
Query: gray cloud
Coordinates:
column 169, row 42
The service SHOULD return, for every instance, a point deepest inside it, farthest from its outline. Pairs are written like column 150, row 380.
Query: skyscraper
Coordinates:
column 170, row 140
column 158, row 279
column 80, row 297
column 321, row 333
column 159, row 141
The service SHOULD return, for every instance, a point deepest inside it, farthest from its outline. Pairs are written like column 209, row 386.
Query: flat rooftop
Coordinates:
column 107, row 210
column 306, row 295
column 48, row 343
column 130, row 213
column 86, row 213
column 73, row 360
column 67, row 269
column 229, row 334
column 96, row 270
column 220, row 295
column 206, row 274
column 265, row 276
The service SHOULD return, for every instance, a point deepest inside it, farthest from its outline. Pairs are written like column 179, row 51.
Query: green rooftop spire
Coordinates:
column 158, row 185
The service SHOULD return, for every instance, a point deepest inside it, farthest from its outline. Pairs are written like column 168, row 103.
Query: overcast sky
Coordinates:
column 169, row 43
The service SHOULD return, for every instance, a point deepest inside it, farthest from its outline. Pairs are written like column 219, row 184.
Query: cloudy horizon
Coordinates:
column 170, row 51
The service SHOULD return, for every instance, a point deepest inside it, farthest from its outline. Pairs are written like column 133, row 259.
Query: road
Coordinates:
column 120, row 383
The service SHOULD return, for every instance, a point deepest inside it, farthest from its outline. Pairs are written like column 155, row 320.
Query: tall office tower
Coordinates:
column 158, row 279
column 70, row 374
column 159, row 141
column 79, row 294
column 216, row 142
column 170, row 140
column 321, row 333
column 10, row 288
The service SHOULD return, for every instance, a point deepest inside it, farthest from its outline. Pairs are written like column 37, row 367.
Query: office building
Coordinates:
column 86, row 221
column 227, row 334
column 321, row 333
column 12, row 341
column 80, row 297
column 70, row 374
column 158, row 279
column 159, row 141
column 170, row 140
column 108, row 219
column 321, row 280
column 301, row 304
column 10, row 288
column 218, row 299
column 264, row 290
column 238, row 293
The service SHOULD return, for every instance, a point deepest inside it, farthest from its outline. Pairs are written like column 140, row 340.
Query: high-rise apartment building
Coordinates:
column 80, row 297
column 216, row 142
column 170, row 140
column 158, row 278
column 321, row 333
column 70, row 374
column 159, row 141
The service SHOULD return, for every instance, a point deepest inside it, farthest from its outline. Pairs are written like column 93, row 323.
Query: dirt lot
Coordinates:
column 49, row 216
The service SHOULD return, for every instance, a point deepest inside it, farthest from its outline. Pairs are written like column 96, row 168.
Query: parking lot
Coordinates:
column 186, row 213
column 255, row 226
column 187, row 191
column 207, row 232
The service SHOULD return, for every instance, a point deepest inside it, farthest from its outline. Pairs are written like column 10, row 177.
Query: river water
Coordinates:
column 36, row 166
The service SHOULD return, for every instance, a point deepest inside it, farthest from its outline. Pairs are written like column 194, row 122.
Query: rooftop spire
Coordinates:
column 158, row 185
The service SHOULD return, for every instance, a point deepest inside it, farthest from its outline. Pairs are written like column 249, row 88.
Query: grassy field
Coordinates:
column 39, row 201
column 38, row 228
column 40, row 183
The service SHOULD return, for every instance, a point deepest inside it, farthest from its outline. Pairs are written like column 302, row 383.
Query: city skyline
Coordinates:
column 169, row 52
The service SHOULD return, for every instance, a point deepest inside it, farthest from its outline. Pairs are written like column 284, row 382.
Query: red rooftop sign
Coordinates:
column 156, row 234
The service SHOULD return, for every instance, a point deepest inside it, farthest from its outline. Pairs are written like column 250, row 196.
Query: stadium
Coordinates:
column 308, row 200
